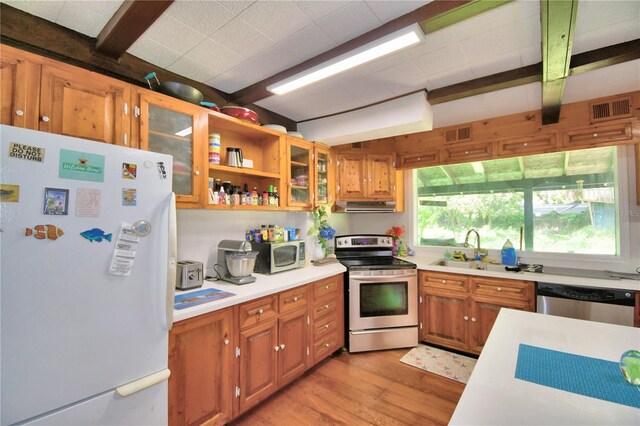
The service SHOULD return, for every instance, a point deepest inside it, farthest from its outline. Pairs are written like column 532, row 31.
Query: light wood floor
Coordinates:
column 372, row 388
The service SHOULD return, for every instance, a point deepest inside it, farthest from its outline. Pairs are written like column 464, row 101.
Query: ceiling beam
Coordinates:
column 490, row 83
column 432, row 16
column 558, row 19
column 605, row 56
column 129, row 22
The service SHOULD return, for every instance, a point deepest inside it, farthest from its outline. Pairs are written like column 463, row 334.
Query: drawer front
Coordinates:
column 325, row 307
column 599, row 135
column 510, row 289
column 457, row 283
column 325, row 287
column 291, row 300
column 324, row 346
column 323, row 326
column 258, row 311
column 468, row 152
column 529, row 144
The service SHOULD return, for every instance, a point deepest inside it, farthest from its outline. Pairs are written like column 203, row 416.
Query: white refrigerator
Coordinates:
column 87, row 239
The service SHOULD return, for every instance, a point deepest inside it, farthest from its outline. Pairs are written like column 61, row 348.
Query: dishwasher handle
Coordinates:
column 587, row 294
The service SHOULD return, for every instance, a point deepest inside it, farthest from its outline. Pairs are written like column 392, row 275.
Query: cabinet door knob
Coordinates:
column 595, row 135
column 44, row 118
column 260, row 311
column 466, row 152
column 326, row 306
column 197, row 172
column 19, row 112
column 277, row 348
column 295, row 298
column 499, row 289
column 525, row 144
column 444, row 281
column 473, row 319
column 326, row 326
column 326, row 287
column 326, row 345
column 226, row 341
column 466, row 318
column 282, row 346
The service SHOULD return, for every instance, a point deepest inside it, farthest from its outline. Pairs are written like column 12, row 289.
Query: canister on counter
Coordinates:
column 214, row 148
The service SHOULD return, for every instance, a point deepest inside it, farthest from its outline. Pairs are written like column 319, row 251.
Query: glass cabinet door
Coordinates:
column 169, row 129
column 322, row 177
column 300, row 173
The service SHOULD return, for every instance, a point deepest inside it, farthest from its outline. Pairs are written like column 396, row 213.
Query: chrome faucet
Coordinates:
column 477, row 250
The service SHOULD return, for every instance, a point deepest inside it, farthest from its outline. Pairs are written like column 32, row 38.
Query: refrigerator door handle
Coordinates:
column 143, row 383
column 172, row 261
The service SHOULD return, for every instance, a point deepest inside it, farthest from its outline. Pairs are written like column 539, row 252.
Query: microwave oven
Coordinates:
column 279, row 257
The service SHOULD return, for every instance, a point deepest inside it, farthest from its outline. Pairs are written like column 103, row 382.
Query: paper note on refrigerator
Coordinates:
column 124, row 253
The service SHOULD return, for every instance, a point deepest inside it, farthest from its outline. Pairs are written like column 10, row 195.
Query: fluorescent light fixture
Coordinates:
column 390, row 43
column 185, row 132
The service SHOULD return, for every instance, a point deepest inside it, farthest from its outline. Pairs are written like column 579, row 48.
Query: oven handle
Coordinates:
column 370, row 278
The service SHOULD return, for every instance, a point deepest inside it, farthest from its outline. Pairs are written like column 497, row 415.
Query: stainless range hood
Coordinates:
column 366, row 206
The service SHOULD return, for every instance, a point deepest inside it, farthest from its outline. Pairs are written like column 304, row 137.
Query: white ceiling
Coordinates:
column 232, row 44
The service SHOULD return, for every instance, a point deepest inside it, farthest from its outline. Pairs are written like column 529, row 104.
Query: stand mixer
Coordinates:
column 236, row 261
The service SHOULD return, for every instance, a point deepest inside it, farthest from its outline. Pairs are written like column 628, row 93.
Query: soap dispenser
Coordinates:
column 509, row 254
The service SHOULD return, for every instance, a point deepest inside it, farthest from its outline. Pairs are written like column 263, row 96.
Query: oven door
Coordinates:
column 382, row 301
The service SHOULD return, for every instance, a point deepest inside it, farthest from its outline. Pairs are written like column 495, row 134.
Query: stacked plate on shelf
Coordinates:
column 282, row 129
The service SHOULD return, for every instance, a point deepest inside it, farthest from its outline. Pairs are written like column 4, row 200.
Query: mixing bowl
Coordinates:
column 241, row 264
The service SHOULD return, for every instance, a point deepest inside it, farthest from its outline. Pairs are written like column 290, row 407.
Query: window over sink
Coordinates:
column 564, row 202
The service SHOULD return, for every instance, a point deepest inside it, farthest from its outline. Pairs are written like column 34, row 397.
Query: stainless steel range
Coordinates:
column 381, row 300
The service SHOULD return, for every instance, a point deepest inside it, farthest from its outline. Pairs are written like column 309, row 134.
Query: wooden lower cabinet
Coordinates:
column 443, row 319
column 226, row 362
column 200, row 353
column 258, row 364
column 458, row 311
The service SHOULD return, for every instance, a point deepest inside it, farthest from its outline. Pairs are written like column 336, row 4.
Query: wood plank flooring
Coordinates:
column 371, row 388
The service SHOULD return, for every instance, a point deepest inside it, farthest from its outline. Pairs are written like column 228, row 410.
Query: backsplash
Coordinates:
column 200, row 231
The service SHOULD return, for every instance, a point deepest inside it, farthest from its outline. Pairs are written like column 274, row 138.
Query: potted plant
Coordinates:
column 321, row 229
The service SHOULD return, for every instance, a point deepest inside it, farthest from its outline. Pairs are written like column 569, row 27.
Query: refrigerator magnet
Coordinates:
column 129, row 170
column 9, row 193
column 56, row 201
column 142, row 228
column 95, row 234
column 26, row 152
column 81, row 166
column 161, row 170
column 87, row 202
column 129, row 196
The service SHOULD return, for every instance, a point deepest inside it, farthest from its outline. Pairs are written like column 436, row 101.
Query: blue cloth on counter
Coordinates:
column 593, row 377
column 187, row 300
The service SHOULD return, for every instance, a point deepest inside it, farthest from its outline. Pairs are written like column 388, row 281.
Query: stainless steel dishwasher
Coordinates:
column 587, row 303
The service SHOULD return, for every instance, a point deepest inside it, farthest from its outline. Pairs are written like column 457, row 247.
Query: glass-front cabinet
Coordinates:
column 173, row 127
column 299, row 174
column 324, row 176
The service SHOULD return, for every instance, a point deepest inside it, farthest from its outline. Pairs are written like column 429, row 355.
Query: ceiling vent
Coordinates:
column 610, row 110
column 457, row 134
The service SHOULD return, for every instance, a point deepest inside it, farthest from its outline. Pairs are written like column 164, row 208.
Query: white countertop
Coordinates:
column 494, row 396
column 426, row 263
column 263, row 286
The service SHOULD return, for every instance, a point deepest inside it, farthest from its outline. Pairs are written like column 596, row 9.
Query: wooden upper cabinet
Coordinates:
column 171, row 126
column 19, row 90
column 299, row 174
column 366, row 177
column 324, row 176
column 351, row 176
column 381, row 179
column 598, row 135
column 83, row 104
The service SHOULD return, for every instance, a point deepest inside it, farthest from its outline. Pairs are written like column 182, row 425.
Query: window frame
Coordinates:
column 626, row 211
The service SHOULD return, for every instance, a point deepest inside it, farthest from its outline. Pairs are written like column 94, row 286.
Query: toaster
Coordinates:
column 189, row 275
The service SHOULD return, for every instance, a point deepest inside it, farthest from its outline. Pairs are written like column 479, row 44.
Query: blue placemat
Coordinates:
column 187, row 300
column 593, row 377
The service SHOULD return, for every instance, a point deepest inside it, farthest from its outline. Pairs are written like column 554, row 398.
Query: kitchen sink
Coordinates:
column 472, row 264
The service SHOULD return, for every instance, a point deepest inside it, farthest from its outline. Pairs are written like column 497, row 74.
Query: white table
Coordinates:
column 494, row 396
